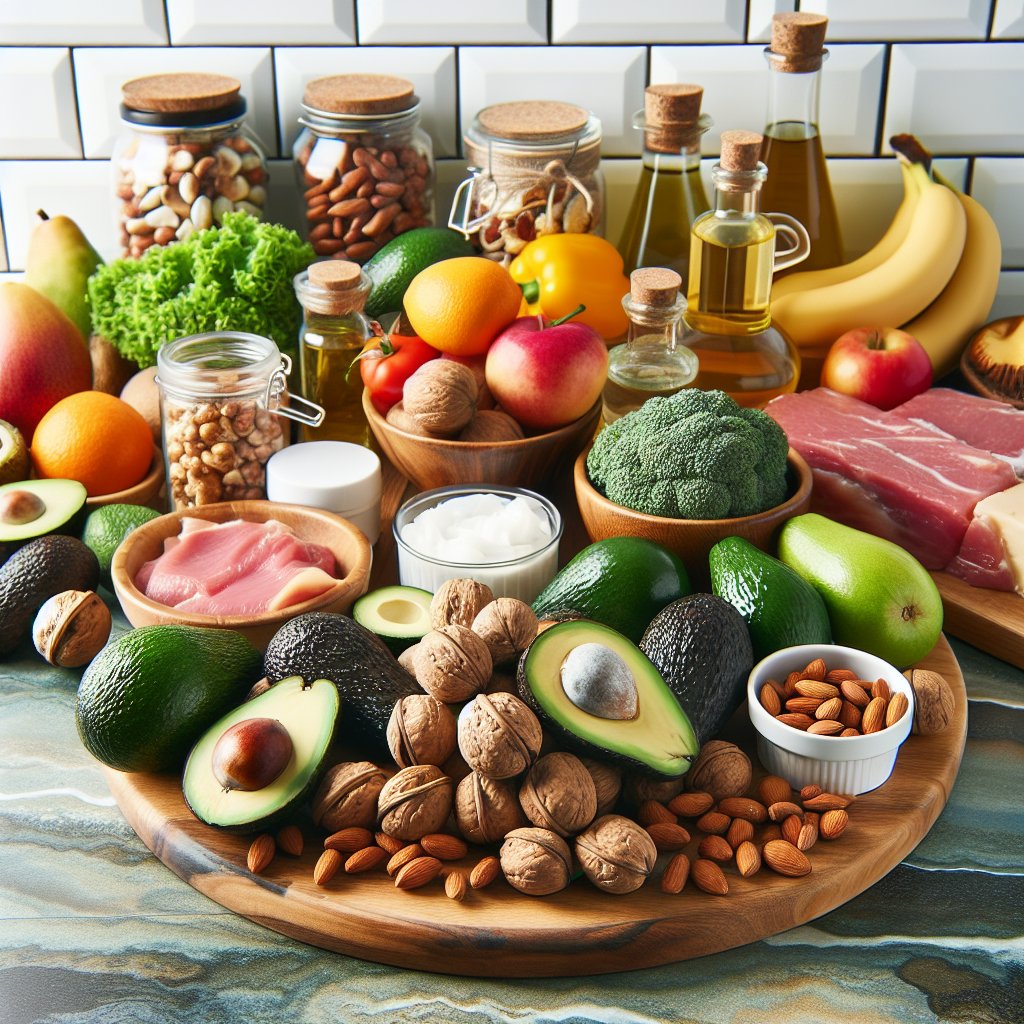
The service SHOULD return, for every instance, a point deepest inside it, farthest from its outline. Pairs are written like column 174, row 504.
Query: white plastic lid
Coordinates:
column 333, row 475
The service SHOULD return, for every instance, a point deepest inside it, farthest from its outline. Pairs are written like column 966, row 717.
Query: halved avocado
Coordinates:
column 399, row 615
column 603, row 696
column 309, row 714
column 34, row 508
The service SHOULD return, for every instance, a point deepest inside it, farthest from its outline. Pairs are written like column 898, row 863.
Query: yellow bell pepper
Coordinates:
column 558, row 272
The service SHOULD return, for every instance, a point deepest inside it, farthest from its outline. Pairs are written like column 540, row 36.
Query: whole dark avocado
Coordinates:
column 701, row 646
column 326, row 645
column 33, row 574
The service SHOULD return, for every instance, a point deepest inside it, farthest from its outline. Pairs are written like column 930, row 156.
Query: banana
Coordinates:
column 895, row 290
column 946, row 326
column 881, row 251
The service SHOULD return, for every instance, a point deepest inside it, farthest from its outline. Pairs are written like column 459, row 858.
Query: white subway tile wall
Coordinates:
column 950, row 71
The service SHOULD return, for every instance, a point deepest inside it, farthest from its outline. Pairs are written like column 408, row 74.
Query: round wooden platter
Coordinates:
column 499, row 932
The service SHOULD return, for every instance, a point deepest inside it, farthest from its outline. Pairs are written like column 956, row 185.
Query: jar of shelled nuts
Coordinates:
column 364, row 166
column 534, row 169
column 185, row 158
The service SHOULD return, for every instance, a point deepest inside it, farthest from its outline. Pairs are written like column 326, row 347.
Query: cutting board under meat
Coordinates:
column 991, row 620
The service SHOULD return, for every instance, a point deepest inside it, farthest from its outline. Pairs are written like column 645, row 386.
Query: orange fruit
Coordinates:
column 459, row 305
column 93, row 438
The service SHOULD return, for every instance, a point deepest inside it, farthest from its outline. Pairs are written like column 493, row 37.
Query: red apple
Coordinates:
column 880, row 365
column 546, row 376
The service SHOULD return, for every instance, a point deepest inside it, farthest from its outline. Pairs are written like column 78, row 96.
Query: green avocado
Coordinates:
column 34, row 508
column 399, row 615
column 781, row 609
column 598, row 691
column 701, row 646
column 621, row 581
column 106, row 527
column 308, row 715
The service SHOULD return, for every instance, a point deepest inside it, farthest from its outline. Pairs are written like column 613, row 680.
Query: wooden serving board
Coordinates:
column 499, row 932
column 992, row 620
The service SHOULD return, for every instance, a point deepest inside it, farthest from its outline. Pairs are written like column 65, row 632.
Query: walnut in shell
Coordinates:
column 452, row 663
column 71, row 628
column 415, row 802
column 933, row 701
column 486, row 810
column 508, row 626
column 421, row 730
column 616, row 854
column 458, row 601
column 441, row 396
column 490, row 426
column 607, row 783
column 721, row 769
column 558, row 793
column 401, row 420
column 347, row 796
column 536, row 861
column 499, row 736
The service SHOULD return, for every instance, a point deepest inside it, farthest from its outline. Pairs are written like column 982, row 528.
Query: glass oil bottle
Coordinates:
column 334, row 332
column 732, row 257
column 798, row 181
column 653, row 361
column 670, row 193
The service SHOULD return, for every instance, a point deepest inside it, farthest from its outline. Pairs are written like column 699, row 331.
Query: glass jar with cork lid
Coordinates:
column 535, row 169
column 185, row 158
column 364, row 165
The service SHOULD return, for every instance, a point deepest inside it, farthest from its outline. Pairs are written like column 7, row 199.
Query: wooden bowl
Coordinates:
column 430, row 462
column 141, row 494
column 690, row 539
column 345, row 541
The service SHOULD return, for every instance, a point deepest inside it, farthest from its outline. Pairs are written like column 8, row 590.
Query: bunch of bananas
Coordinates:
column 934, row 273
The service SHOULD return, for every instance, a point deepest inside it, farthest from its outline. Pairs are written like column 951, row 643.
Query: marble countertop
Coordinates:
column 95, row 928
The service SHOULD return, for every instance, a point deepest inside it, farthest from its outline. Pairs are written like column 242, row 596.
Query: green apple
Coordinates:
column 879, row 597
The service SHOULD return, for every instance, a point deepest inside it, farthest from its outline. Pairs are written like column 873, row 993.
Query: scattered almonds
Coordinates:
column 709, row 877
column 327, row 866
column 691, row 805
column 289, row 840
column 417, row 873
column 785, row 859
column 677, row 870
column 261, row 853
column 455, row 885
column 833, row 823
column 484, row 872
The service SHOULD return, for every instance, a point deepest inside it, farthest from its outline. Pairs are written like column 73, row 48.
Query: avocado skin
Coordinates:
column 33, row 574
column 326, row 645
column 701, row 646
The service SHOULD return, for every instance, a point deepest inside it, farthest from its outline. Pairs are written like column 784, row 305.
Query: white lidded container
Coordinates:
column 338, row 476
column 839, row 764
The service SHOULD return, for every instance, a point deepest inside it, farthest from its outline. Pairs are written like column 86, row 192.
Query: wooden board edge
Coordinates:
column 992, row 620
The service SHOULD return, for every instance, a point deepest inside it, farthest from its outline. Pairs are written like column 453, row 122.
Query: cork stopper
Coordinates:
column 334, row 287
column 654, row 286
column 798, row 41
column 671, row 116
column 741, row 151
column 532, row 120
column 359, row 94
column 335, row 275
column 180, row 93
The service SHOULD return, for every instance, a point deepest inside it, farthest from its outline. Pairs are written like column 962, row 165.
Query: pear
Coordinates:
column 60, row 260
column 880, row 599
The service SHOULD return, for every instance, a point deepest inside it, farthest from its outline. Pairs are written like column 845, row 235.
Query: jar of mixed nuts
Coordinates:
column 185, row 159
column 535, row 169
column 364, row 165
column 222, row 396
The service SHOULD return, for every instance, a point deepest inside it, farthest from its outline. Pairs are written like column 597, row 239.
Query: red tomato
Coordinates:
column 387, row 362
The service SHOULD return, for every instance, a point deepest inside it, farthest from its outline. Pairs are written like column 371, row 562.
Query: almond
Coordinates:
column 789, row 686
column 740, row 831
column 897, row 708
column 880, row 688
column 348, row 840
column 785, row 859
column 676, row 872
column 261, row 853
column 850, row 731
column 797, row 721
column 289, row 840
column 833, row 823
column 810, row 792
column 874, row 716
column 444, row 846
column 404, row 855
column 748, row 859
column 691, row 805
column 326, row 867
column 850, row 715
column 455, row 885
column 831, row 708
column 772, row 789
column 714, row 823
column 779, row 688
column 708, row 876
column 803, row 705
column 743, row 807
column 827, row 802
column 816, row 689
column 769, row 698
column 854, row 693
column 715, row 848
column 418, row 872
column 826, row 727
column 484, row 872
column 389, row 844
column 668, row 836
column 365, row 859
column 782, row 810
column 650, row 811
column 807, row 837
column 791, row 828
column 817, row 669
column 839, row 675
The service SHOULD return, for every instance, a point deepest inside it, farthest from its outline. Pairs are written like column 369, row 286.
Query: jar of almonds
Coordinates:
column 185, row 159
column 364, row 165
column 535, row 169
column 222, row 399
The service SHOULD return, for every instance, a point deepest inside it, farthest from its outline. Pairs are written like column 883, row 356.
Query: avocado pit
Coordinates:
column 251, row 754
column 19, row 507
column 600, row 683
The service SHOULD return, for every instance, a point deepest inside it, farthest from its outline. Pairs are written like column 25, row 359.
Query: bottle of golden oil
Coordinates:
column 798, row 181
column 334, row 332
column 670, row 193
column 732, row 258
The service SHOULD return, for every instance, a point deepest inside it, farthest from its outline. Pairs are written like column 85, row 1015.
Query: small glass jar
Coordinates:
column 185, row 159
column 221, row 398
column 535, row 169
column 364, row 166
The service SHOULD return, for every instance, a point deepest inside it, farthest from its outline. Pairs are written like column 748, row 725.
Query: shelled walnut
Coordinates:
column 347, row 795
column 499, row 736
column 508, row 626
column 536, row 861
column 421, row 730
column 452, row 663
column 415, row 802
column 559, row 794
column 616, row 854
column 486, row 810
